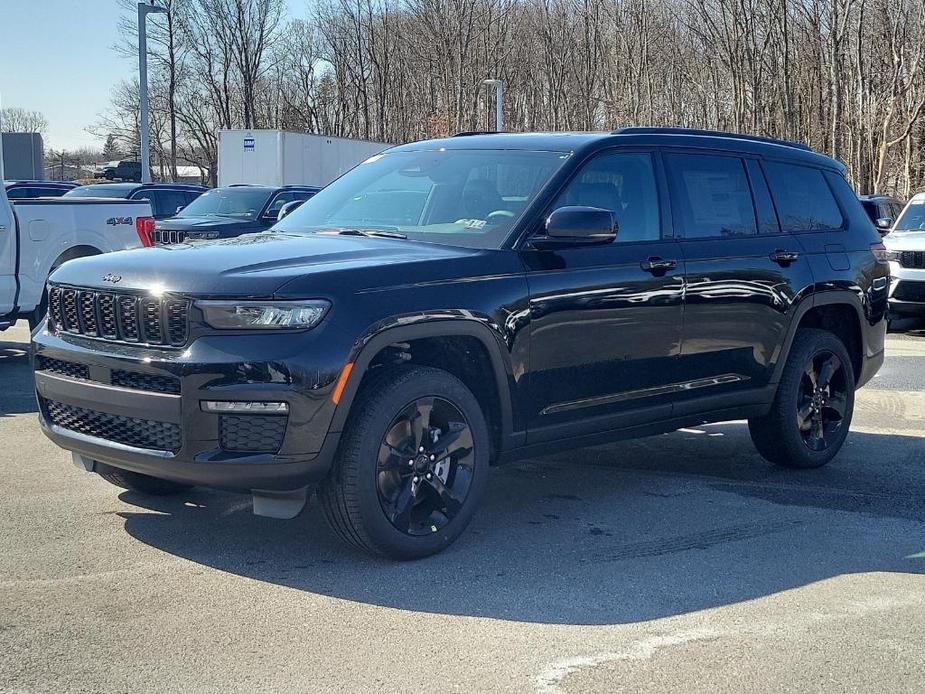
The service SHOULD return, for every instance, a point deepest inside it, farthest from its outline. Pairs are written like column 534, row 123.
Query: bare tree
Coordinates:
column 20, row 120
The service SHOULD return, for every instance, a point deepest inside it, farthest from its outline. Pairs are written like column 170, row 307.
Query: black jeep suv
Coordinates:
column 454, row 304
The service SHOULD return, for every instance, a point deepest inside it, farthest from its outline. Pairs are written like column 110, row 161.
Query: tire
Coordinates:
column 136, row 482
column 789, row 434
column 353, row 496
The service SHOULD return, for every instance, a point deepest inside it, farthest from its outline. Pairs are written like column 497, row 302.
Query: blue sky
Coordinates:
column 56, row 57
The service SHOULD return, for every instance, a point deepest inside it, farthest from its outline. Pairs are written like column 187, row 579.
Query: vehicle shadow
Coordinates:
column 15, row 378
column 614, row 534
column 909, row 326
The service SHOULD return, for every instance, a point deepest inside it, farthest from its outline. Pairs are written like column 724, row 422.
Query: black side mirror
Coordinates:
column 288, row 207
column 884, row 224
column 577, row 226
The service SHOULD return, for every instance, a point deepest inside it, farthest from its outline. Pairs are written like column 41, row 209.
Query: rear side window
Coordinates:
column 712, row 195
column 803, row 198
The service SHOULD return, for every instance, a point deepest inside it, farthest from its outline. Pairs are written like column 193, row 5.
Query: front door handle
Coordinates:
column 657, row 265
column 782, row 257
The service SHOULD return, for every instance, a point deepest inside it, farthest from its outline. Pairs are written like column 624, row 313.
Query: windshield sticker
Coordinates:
column 472, row 223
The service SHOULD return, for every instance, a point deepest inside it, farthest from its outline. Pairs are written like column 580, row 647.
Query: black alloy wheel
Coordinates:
column 426, row 466
column 823, row 402
column 808, row 422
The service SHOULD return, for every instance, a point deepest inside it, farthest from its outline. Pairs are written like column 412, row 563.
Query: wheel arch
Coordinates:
column 364, row 356
column 824, row 310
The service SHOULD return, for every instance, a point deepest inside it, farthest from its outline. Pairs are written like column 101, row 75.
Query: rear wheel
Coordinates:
column 136, row 482
column 811, row 414
column 412, row 466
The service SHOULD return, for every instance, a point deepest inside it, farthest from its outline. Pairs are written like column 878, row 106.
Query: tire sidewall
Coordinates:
column 808, row 344
column 378, row 412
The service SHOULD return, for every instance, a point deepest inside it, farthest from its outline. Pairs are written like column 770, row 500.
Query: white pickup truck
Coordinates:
column 37, row 236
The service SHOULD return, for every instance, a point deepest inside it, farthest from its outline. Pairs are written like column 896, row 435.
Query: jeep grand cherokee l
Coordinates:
column 453, row 304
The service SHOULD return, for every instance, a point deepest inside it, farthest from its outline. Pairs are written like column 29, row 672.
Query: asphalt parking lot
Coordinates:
column 677, row 563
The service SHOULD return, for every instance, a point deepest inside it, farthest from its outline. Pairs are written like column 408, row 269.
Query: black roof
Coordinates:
column 295, row 186
column 50, row 184
column 129, row 188
column 635, row 136
column 876, row 197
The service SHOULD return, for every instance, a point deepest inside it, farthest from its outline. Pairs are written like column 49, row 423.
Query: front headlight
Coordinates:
column 263, row 315
column 893, row 255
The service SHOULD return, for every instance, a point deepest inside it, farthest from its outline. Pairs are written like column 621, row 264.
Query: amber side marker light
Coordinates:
column 341, row 383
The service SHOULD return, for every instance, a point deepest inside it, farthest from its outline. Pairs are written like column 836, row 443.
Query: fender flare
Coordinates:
column 367, row 348
column 842, row 297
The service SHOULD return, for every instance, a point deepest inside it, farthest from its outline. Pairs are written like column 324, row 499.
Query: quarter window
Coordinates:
column 624, row 183
column 712, row 194
column 803, row 198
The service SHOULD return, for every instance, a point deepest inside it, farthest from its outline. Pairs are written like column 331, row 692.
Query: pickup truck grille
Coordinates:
column 119, row 317
column 165, row 237
column 912, row 259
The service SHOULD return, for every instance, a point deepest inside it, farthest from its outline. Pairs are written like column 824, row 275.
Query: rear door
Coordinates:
column 743, row 277
column 7, row 255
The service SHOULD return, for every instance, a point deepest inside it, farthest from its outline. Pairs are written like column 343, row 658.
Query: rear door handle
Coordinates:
column 782, row 257
column 657, row 265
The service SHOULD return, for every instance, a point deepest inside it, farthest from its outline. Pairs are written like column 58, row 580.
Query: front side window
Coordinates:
column 711, row 195
column 237, row 203
column 453, row 196
column 803, row 199
column 624, row 183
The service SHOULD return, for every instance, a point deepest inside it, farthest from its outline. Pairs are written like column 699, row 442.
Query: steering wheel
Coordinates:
column 500, row 213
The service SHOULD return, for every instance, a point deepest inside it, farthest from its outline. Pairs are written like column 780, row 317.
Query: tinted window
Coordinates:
column 870, row 207
column 101, row 190
column 20, row 193
column 238, row 202
column 803, row 198
column 623, row 183
column 712, row 195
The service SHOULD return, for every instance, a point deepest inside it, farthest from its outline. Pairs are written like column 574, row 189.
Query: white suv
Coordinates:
column 906, row 250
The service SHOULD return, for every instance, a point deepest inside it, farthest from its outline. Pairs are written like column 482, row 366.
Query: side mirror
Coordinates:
column 884, row 224
column 288, row 207
column 577, row 226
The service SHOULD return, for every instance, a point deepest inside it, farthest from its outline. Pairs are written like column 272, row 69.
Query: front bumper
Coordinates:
column 907, row 290
column 139, row 408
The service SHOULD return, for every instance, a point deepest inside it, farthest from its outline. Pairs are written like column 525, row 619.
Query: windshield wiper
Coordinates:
column 378, row 233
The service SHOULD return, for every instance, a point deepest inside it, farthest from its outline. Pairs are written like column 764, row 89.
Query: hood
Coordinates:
column 257, row 265
column 905, row 241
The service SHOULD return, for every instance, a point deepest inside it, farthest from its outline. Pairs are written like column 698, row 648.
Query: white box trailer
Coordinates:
column 279, row 158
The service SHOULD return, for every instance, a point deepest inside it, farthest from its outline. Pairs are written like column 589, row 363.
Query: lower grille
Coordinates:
column 149, row 382
column 129, row 431
column 62, row 368
column 910, row 291
column 912, row 259
column 251, row 433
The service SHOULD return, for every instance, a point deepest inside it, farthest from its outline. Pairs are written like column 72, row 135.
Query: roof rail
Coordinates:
column 467, row 133
column 644, row 130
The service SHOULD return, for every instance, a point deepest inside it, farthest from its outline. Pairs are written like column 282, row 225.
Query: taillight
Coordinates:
column 145, row 228
column 882, row 254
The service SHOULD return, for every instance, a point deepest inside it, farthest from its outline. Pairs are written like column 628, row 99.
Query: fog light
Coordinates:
column 224, row 406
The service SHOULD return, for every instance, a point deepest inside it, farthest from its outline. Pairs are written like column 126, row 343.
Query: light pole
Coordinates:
column 499, row 103
column 144, row 9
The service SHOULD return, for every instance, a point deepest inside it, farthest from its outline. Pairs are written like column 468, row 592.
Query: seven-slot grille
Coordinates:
column 912, row 259
column 119, row 317
column 165, row 237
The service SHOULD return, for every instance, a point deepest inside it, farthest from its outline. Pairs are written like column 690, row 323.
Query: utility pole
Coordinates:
column 499, row 103
column 144, row 9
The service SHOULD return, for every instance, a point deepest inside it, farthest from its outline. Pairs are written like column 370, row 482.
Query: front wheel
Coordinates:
column 412, row 466
column 811, row 413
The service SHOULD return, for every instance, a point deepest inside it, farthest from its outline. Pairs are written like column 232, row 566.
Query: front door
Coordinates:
column 605, row 321
column 743, row 277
